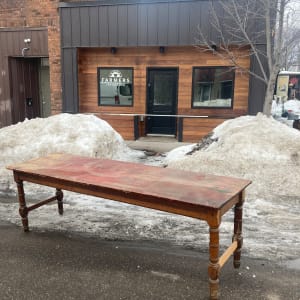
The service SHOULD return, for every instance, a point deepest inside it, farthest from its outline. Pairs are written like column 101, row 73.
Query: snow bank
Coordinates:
column 292, row 105
column 254, row 147
column 178, row 152
column 66, row 133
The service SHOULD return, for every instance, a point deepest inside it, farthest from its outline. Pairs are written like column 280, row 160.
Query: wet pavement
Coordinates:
column 56, row 265
column 158, row 144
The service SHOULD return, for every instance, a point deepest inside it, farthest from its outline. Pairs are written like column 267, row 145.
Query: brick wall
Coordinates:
column 38, row 13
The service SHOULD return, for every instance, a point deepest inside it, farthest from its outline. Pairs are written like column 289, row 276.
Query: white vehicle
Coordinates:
column 287, row 86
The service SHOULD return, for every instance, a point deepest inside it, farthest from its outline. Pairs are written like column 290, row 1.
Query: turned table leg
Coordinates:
column 59, row 197
column 237, row 236
column 23, row 210
column 214, row 267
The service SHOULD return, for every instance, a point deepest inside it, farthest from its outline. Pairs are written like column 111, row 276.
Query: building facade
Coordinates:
column 29, row 44
column 133, row 63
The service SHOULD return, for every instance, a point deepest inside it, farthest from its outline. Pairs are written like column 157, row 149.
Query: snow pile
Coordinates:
column 179, row 152
column 286, row 112
column 65, row 133
column 293, row 105
column 253, row 147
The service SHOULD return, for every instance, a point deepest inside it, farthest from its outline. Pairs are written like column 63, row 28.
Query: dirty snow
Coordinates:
column 268, row 153
column 257, row 148
column 64, row 133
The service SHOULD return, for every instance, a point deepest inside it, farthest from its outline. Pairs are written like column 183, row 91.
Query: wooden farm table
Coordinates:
column 200, row 196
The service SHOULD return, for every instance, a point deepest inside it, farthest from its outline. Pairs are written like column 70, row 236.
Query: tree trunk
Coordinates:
column 270, row 92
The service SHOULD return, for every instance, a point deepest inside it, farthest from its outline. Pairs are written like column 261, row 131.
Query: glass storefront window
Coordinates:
column 115, row 86
column 212, row 87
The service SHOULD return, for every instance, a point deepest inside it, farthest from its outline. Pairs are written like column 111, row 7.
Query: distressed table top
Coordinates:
column 123, row 180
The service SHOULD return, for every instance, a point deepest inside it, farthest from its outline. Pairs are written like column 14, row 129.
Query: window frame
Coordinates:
column 99, row 68
column 193, row 87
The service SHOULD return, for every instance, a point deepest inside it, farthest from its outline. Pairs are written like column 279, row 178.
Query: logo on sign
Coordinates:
column 116, row 78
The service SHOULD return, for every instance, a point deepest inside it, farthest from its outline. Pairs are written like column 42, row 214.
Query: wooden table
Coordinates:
column 196, row 195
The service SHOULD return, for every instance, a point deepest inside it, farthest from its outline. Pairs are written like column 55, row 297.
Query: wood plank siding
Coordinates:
column 141, row 58
column 196, row 129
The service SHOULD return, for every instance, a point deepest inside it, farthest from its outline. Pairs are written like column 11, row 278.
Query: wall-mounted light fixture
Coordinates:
column 27, row 41
column 113, row 50
column 214, row 47
column 161, row 49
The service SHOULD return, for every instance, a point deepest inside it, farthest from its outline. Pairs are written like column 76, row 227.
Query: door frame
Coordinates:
column 158, row 68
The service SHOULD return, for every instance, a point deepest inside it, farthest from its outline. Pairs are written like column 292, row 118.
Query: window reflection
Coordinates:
column 115, row 86
column 212, row 87
column 163, row 83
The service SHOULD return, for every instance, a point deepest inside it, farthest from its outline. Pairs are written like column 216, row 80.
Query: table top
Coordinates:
column 200, row 190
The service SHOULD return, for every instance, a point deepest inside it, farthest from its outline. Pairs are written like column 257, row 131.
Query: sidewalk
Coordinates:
column 62, row 266
column 159, row 144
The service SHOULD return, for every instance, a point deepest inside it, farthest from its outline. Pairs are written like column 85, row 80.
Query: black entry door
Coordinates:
column 162, row 101
column 24, row 88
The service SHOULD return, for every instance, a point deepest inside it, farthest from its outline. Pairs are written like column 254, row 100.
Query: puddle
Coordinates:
column 293, row 264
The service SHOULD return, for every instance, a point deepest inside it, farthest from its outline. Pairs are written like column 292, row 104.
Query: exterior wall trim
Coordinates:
column 22, row 29
column 117, row 2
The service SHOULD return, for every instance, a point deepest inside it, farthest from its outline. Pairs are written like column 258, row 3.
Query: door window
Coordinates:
column 163, row 84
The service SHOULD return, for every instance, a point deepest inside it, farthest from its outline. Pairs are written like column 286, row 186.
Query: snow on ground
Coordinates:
column 290, row 105
column 258, row 148
column 268, row 153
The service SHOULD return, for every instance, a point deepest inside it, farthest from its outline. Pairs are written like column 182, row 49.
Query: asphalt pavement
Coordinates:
column 59, row 265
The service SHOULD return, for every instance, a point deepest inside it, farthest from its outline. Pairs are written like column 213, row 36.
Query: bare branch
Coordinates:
column 253, row 23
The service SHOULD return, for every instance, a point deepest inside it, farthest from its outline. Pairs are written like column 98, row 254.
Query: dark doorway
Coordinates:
column 162, row 100
column 24, row 85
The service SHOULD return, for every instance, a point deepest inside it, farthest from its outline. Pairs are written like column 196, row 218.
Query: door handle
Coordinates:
column 29, row 102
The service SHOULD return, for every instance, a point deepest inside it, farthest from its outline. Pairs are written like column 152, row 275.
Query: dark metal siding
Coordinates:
column 173, row 25
column 132, row 34
column 12, row 42
column 257, row 88
column 69, row 80
column 66, row 33
column 75, row 27
column 143, row 24
column 103, row 26
column 94, row 26
column 113, row 30
column 85, row 26
column 122, row 18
